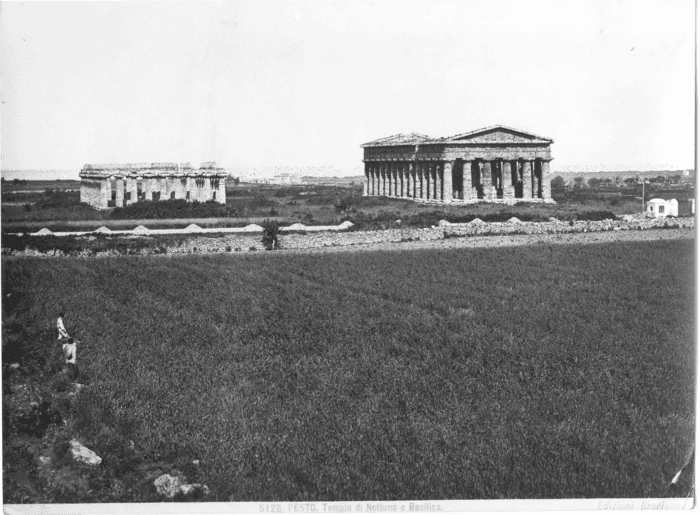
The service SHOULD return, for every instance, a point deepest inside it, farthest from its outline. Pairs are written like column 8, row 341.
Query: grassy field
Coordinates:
column 315, row 205
column 527, row 372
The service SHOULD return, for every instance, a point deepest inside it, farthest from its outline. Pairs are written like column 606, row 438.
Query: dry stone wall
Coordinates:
column 246, row 242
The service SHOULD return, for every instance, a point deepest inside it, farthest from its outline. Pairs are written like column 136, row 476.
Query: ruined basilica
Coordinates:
column 496, row 164
column 118, row 185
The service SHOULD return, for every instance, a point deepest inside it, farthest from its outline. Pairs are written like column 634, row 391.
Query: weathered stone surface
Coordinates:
column 492, row 149
column 83, row 455
column 160, row 181
column 170, row 486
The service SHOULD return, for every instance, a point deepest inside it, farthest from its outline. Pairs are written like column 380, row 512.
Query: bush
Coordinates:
column 179, row 208
column 270, row 231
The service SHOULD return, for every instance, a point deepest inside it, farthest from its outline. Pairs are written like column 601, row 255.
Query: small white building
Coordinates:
column 657, row 207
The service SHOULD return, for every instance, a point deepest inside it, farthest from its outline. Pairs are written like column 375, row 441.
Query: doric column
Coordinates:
column 427, row 181
column 507, row 180
column 365, row 189
column 146, row 183
column 527, row 179
column 434, row 183
column 467, row 192
column 190, row 188
column 447, row 182
column 105, row 193
column 411, row 180
column 438, row 182
column 119, row 201
column 546, row 181
column 406, row 180
column 370, row 180
column 487, row 180
column 420, row 177
column 397, row 179
column 389, row 179
column 130, row 190
column 221, row 195
column 375, row 179
column 382, row 179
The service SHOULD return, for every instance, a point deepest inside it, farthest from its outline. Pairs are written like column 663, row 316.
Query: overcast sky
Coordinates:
column 305, row 83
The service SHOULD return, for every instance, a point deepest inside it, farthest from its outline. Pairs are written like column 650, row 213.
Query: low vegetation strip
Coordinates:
column 529, row 372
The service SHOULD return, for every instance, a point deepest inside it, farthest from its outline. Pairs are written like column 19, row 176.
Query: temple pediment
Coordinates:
column 411, row 138
column 499, row 134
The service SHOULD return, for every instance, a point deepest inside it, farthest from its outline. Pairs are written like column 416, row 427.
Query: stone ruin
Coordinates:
column 118, row 185
column 496, row 164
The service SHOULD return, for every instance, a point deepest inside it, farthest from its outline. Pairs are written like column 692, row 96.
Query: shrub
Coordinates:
column 270, row 231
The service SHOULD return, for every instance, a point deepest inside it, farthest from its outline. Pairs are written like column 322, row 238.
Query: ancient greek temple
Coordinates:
column 496, row 164
column 118, row 185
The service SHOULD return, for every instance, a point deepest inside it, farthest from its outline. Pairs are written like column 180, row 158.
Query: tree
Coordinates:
column 15, row 181
column 558, row 185
column 578, row 182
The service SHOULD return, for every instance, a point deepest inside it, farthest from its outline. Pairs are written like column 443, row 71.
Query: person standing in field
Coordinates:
column 62, row 333
column 70, row 350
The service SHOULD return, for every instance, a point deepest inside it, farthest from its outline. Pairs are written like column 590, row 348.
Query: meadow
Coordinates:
column 317, row 204
column 524, row 372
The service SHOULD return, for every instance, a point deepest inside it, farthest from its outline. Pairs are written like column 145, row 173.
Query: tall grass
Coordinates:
column 542, row 372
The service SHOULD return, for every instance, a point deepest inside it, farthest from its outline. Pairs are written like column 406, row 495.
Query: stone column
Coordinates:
column 105, row 193
column 439, row 184
column 221, row 195
column 527, row 179
column 396, row 178
column 398, row 184
column 365, row 189
column 420, row 187
column 435, row 185
column 382, row 179
column 119, row 201
column 507, row 180
column 410, row 181
column 375, row 179
column 129, row 190
column 146, row 188
column 447, row 182
column 487, row 180
column 467, row 192
column 546, row 181
column 427, row 186
column 389, row 182
column 404, row 175
column 189, row 188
